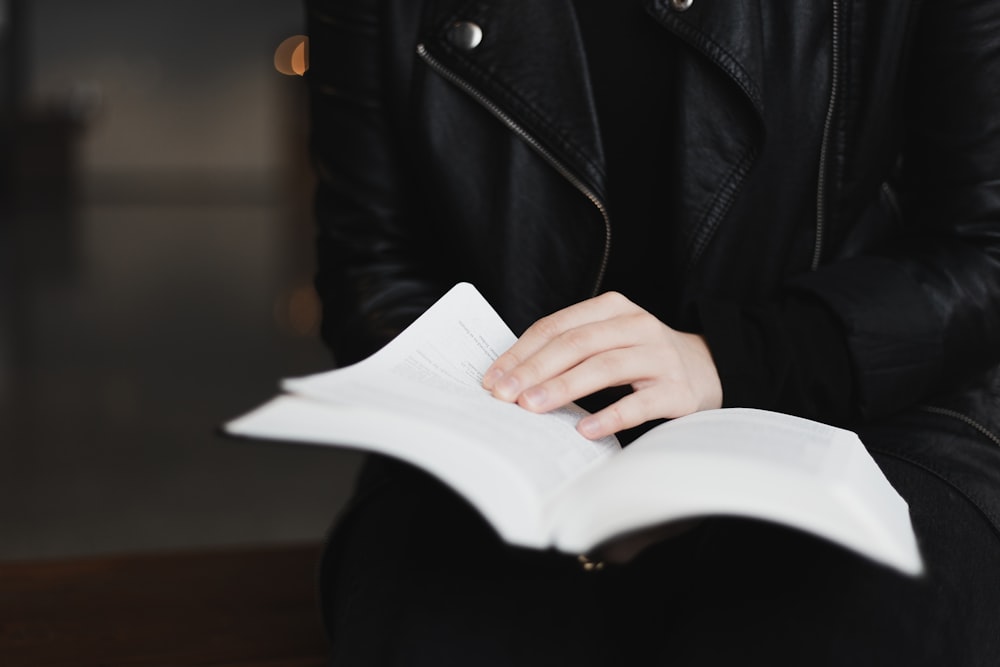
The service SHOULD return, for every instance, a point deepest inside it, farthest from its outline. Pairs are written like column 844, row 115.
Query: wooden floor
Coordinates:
column 232, row 608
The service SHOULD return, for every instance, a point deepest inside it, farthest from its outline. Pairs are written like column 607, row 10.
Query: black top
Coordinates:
column 629, row 57
column 787, row 354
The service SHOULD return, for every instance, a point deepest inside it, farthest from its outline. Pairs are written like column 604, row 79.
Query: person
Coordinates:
column 681, row 205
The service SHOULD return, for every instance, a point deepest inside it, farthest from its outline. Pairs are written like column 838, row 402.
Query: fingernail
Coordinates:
column 535, row 397
column 589, row 427
column 491, row 377
column 507, row 388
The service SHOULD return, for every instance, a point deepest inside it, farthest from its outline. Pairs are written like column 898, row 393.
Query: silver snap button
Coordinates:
column 681, row 5
column 465, row 35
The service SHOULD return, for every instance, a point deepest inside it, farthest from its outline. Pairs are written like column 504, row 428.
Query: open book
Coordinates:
column 542, row 484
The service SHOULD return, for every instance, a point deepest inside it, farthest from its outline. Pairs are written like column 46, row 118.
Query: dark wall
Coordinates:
column 155, row 281
column 165, row 84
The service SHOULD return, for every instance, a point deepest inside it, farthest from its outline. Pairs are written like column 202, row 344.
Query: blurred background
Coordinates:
column 155, row 268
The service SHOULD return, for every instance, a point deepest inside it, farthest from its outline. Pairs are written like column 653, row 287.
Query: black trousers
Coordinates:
column 412, row 576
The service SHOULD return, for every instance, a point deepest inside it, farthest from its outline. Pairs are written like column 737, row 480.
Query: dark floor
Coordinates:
column 130, row 328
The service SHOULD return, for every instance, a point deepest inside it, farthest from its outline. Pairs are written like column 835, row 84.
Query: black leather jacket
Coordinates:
column 847, row 150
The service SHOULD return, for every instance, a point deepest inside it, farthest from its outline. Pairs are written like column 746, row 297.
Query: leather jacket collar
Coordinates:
column 727, row 34
column 729, row 37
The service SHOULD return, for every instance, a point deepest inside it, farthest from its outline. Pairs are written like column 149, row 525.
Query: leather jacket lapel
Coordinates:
column 525, row 48
column 727, row 32
column 711, row 157
column 528, row 64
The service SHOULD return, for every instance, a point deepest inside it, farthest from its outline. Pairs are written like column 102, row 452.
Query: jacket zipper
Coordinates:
column 825, row 146
column 963, row 418
column 890, row 195
column 517, row 129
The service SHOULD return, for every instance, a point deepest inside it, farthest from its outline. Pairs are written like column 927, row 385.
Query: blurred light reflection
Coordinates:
column 292, row 56
column 297, row 311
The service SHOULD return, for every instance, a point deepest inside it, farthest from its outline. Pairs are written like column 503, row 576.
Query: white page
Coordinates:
column 432, row 373
column 489, row 482
column 742, row 462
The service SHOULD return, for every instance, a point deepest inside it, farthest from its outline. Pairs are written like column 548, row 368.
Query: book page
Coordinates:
column 490, row 483
column 432, row 372
column 743, row 462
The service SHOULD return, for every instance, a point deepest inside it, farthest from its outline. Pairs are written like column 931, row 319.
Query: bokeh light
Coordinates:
column 292, row 56
column 297, row 311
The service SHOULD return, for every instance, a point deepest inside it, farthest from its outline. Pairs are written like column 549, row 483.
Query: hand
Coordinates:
column 604, row 342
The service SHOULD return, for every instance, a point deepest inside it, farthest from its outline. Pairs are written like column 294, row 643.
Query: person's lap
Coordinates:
column 414, row 577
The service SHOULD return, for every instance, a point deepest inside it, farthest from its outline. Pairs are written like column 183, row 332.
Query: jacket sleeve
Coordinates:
column 922, row 314
column 785, row 354
column 374, row 274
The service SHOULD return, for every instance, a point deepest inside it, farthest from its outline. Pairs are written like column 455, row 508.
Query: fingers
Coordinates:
column 605, row 342
column 574, row 364
column 656, row 402
column 559, row 341
column 622, row 414
column 544, row 331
